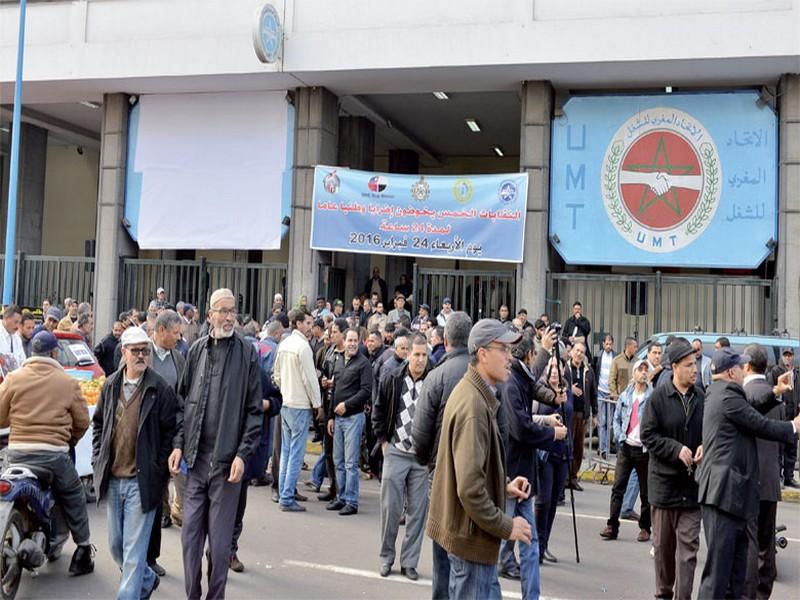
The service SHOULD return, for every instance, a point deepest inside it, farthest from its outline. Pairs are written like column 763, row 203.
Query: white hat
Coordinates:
column 639, row 363
column 134, row 335
column 160, row 290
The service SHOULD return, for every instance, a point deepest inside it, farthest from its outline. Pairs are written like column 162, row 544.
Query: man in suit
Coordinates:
column 791, row 402
column 728, row 476
column 761, row 570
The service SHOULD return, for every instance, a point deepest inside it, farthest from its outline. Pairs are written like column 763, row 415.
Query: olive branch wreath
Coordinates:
column 703, row 212
column 610, row 188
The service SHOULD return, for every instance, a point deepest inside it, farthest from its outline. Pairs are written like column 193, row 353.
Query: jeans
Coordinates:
column 294, row 432
column 319, row 472
column 473, row 580
column 528, row 553
column 604, row 417
column 346, row 455
column 128, row 536
column 440, row 588
column 631, row 493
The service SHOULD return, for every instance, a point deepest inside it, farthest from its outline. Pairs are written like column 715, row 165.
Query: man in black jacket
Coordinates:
column 351, row 393
column 584, row 398
column 672, row 432
column 761, row 569
column 728, row 476
column 791, row 406
column 219, row 427
column 105, row 349
column 133, row 427
column 577, row 325
column 525, row 438
column 404, row 479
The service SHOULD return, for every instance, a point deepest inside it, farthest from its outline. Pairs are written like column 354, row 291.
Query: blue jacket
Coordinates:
column 622, row 413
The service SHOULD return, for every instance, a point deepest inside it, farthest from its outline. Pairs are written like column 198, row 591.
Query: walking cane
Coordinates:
column 569, row 442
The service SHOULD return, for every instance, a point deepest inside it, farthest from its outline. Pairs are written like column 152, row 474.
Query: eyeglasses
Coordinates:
column 139, row 351
column 226, row 312
column 502, row 348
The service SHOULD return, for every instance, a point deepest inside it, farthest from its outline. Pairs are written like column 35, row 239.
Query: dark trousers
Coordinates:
column 628, row 459
column 238, row 524
column 373, row 459
column 726, row 560
column 209, row 511
column 552, row 478
column 276, row 452
column 257, row 463
column 676, row 539
column 761, row 568
column 578, row 433
column 330, row 466
column 789, row 459
column 154, row 546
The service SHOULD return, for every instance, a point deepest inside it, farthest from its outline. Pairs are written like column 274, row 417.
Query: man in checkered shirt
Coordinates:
column 403, row 477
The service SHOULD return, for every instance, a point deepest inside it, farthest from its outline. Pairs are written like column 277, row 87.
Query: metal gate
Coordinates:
column 254, row 284
column 641, row 305
column 478, row 293
column 51, row 277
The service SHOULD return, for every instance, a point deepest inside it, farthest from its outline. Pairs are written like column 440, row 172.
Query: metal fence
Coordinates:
column 641, row 305
column 53, row 277
column 192, row 281
column 478, row 293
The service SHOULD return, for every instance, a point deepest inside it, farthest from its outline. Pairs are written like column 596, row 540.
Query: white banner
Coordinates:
column 212, row 170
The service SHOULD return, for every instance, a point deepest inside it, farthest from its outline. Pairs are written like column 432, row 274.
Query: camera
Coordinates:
column 555, row 326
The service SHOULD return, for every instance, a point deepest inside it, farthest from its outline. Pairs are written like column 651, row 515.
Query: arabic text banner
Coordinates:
column 682, row 180
column 477, row 217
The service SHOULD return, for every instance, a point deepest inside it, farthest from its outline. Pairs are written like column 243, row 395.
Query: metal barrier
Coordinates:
column 52, row 277
column 641, row 305
column 478, row 293
column 193, row 281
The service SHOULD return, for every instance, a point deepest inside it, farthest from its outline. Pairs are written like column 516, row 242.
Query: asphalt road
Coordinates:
column 319, row 555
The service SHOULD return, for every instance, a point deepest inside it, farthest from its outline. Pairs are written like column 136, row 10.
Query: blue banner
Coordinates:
column 682, row 180
column 472, row 217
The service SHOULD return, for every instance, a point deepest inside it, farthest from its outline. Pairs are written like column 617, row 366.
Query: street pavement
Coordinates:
column 319, row 554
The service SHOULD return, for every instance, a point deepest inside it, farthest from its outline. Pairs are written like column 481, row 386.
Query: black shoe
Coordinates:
column 299, row 497
column 549, row 557
column 791, row 483
column 157, row 568
column 275, row 497
column 235, row 564
column 312, row 486
column 166, row 522
column 327, row 497
column 335, row 505
column 293, row 507
column 386, row 570
column 409, row 573
column 348, row 510
column 260, row 482
column 541, row 559
column 576, row 486
column 511, row 573
column 152, row 589
column 82, row 561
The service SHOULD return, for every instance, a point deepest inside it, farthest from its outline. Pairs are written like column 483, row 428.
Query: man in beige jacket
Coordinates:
column 47, row 414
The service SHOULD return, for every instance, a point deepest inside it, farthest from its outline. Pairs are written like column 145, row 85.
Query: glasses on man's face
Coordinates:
column 501, row 347
column 226, row 312
column 140, row 351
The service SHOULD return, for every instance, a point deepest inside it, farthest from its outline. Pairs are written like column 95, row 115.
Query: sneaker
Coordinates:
column 236, row 565
column 82, row 560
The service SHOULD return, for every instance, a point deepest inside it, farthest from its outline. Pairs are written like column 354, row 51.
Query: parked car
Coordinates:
column 773, row 344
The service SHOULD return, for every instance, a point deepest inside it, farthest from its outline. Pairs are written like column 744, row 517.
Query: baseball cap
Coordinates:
column 487, row 331
column 53, row 313
column 727, row 358
column 44, row 342
column 134, row 335
column 338, row 302
column 641, row 362
column 678, row 350
column 160, row 290
column 447, row 301
column 425, row 306
column 788, row 350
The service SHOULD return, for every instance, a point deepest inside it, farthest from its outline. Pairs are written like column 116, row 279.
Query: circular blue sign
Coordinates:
column 268, row 34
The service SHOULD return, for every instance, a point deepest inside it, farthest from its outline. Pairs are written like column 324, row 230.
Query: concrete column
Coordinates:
column 534, row 159
column 30, row 190
column 788, row 265
column 316, row 134
column 113, row 241
column 357, row 151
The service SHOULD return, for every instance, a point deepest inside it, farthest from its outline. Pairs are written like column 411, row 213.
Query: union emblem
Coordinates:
column 661, row 180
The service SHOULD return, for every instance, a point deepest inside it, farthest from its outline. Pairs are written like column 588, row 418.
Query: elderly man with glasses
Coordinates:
column 219, row 430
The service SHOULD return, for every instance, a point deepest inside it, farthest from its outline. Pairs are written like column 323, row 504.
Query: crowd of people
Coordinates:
column 474, row 430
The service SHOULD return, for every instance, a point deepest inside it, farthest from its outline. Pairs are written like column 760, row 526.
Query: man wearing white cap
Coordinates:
column 161, row 298
column 219, row 430
column 133, row 427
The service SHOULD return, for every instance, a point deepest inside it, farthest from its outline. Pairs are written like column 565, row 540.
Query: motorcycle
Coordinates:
column 26, row 517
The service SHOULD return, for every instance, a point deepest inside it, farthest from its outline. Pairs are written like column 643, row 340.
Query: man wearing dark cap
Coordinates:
column 468, row 498
column 50, row 322
column 423, row 316
column 672, row 432
column 47, row 414
column 728, row 482
column 444, row 314
column 791, row 406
